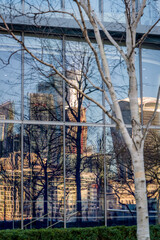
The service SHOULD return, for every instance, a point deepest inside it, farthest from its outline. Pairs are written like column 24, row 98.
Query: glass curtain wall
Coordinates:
column 63, row 163
column 64, row 175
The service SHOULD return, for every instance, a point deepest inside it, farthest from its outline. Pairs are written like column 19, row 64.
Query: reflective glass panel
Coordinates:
column 84, row 176
column 82, row 72
column 120, row 182
column 42, row 86
column 151, row 82
column 119, row 78
column 121, row 202
column 71, row 7
column 10, row 176
column 42, row 6
column 151, row 12
column 118, row 74
column 152, row 166
column 10, row 7
column 43, row 176
column 114, row 11
column 10, row 78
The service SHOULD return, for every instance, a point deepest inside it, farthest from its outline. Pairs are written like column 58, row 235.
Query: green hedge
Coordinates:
column 96, row 233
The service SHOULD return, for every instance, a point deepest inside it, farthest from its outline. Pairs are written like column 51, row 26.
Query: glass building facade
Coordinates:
column 63, row 163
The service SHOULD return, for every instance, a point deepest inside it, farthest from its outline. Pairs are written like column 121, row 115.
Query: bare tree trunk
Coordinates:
column 78, row 177
column 140, row 195
column 158, row 207
column 137, row 148
column 45, row 197
column 33, row 188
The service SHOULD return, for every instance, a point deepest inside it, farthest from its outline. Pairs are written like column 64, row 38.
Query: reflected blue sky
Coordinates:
column 151, row 12
column 10, row 77
column 114, row 11
column 150, row 72
column 37, row 75
column 80, row 57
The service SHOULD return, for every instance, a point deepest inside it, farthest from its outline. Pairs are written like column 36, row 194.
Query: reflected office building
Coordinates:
column 122, row 184
column 63, row 163
column 146, row 111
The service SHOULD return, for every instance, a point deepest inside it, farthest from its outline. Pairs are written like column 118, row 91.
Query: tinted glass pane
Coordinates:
column 84, row 176
column 33, row 6
column 10, row 7
column 151, row 12
column 10, row 78
column 81, row 70
column 121, row 202
column 43, row 88
column 71, row 7
column 152, row 165
column 10, row 176
column 43, row 176
column 120, row 182
column 151, row 81
column 114, row 11
column 119, row 77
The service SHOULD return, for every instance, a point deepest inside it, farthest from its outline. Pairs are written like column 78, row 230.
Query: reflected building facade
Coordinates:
column 41, row 107
column 123, row 183
column 55, row 145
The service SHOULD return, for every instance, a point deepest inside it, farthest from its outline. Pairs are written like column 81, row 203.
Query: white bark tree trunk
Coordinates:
column 137, row 149
column 140, row 195
column 137, row 156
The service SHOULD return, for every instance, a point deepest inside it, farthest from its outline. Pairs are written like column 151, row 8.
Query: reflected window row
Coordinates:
column 108, row 10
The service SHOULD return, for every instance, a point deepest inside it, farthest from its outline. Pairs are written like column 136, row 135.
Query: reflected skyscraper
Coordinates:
column 75, row 112
column 6, row 112
column 6, row 130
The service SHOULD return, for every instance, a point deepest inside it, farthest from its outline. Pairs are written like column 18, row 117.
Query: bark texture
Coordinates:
column 140, row 195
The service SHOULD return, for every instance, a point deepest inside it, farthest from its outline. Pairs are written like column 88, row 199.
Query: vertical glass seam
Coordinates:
column 101, row 5
column 63, row 4
column 141, row 82
column 64, row 157
column 22, row 125
column 23, row 6
column 104, row 152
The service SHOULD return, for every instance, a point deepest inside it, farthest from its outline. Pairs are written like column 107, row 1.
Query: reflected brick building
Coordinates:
column 75, row 113
column 72, row 131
